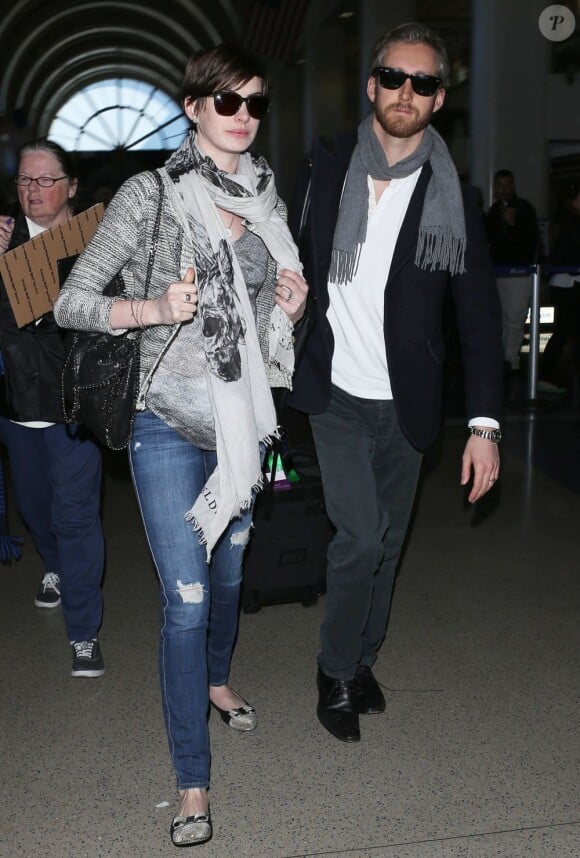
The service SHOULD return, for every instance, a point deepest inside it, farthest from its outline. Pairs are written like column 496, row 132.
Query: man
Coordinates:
column 379, row 248
column 512, row 231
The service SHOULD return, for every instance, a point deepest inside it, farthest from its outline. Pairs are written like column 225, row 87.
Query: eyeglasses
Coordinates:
column 41, row 181
column 423, row 84
column 227, row 103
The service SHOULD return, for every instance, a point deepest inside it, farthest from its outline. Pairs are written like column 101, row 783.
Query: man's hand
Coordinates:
column 480, row 461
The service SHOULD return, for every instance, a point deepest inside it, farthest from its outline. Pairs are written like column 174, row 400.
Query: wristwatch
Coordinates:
column 493, row 435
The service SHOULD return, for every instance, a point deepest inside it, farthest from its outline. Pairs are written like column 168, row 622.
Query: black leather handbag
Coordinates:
column 100, row 379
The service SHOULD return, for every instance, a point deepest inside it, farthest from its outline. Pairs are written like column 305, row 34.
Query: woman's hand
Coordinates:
column 6, row 230
column 291, row 294
column 177, row 304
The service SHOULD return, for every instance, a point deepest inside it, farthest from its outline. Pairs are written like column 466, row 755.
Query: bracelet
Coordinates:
column 138, row 315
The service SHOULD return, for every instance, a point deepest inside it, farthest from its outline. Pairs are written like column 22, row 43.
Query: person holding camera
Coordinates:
column 512, row 231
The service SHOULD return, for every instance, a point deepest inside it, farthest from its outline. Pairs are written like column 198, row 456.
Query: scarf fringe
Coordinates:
column 196, row 527
column 245, row 503
column 344, row 265
column 442, row 226
column 439, row 248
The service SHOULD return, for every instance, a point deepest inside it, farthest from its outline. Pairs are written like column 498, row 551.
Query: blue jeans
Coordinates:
column 199, row 602
column 369, row 476
column 56, row 476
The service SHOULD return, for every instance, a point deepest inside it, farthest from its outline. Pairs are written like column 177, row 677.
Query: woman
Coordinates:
column 224, row 292
column 56, row 470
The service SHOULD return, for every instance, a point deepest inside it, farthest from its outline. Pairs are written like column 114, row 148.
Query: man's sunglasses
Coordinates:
column 227, row 103
column 423, row 84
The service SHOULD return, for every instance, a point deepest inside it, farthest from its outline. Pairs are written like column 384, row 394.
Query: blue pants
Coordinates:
column 56, row 479
column 199, row 602
column 369, row 476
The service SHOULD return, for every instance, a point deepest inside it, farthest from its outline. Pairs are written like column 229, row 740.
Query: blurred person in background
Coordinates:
column 565, row 294
column 512, row 231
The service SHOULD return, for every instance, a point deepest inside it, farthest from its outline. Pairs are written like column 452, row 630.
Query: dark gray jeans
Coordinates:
column 369, row 475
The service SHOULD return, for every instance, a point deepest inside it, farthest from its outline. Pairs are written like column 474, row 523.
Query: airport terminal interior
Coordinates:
column 477, row 753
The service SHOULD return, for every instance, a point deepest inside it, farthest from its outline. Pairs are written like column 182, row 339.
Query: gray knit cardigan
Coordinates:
column 121, row 243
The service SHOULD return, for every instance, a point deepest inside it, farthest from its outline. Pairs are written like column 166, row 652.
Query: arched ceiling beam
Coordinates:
column 146, row 50
column 24, row 49
column 172, row 14
column 17, row 10
column 55, row 91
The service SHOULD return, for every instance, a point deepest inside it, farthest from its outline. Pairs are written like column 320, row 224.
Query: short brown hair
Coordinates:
column 225, row 66
column 414, row 33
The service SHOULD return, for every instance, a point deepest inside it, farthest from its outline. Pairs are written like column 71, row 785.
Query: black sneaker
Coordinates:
column 48, row 594
column 87, row 658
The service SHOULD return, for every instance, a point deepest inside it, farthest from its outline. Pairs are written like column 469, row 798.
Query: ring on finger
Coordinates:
column 289, row 293
column 188, row 297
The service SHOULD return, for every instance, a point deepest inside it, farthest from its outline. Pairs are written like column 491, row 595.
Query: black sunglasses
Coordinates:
column 227, row 103
column 423, row 84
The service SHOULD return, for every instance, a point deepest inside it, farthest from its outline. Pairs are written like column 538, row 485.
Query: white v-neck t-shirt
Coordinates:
column 356, row 310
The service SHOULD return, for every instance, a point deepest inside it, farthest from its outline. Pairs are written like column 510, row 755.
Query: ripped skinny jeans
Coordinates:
column 199, row 602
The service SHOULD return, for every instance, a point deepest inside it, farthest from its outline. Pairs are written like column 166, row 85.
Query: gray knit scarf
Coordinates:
column 441, row 242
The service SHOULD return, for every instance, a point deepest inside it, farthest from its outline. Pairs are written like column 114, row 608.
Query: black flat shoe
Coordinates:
column 370, row 698
column 191, row 830
column 336, row 708
column 242, row 719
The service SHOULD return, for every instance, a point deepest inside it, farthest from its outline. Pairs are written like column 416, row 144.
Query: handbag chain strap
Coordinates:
column 154, row 240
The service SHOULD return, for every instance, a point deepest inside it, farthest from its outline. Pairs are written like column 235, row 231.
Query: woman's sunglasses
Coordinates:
column 423, row 84
column 227, row 103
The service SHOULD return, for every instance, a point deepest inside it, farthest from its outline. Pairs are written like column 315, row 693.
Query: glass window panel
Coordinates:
column 119, row 113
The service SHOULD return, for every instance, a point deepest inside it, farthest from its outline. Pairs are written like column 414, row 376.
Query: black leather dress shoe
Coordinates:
column 370, row 699
column 337, row 707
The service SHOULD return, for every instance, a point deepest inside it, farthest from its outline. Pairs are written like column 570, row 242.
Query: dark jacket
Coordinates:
column 413, row 306
column 517, row 244
column 32, row 356
column 566, row 249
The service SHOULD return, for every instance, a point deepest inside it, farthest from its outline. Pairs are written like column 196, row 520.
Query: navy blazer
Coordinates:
column 414, row 300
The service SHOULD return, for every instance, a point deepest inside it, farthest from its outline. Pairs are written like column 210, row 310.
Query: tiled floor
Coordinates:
column 476, row 755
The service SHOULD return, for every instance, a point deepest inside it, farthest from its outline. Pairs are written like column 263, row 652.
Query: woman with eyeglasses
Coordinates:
column 55, row 468
column 225, row 291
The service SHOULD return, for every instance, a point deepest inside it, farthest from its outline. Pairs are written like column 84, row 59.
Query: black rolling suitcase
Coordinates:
column 285, row 559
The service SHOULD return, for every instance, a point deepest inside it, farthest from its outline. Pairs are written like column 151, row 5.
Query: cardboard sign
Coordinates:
column 30, row 271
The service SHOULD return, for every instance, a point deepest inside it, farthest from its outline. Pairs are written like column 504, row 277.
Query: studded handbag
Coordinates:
column 100, row 378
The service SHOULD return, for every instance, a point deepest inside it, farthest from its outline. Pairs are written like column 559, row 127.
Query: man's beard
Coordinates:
column 401, row 126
